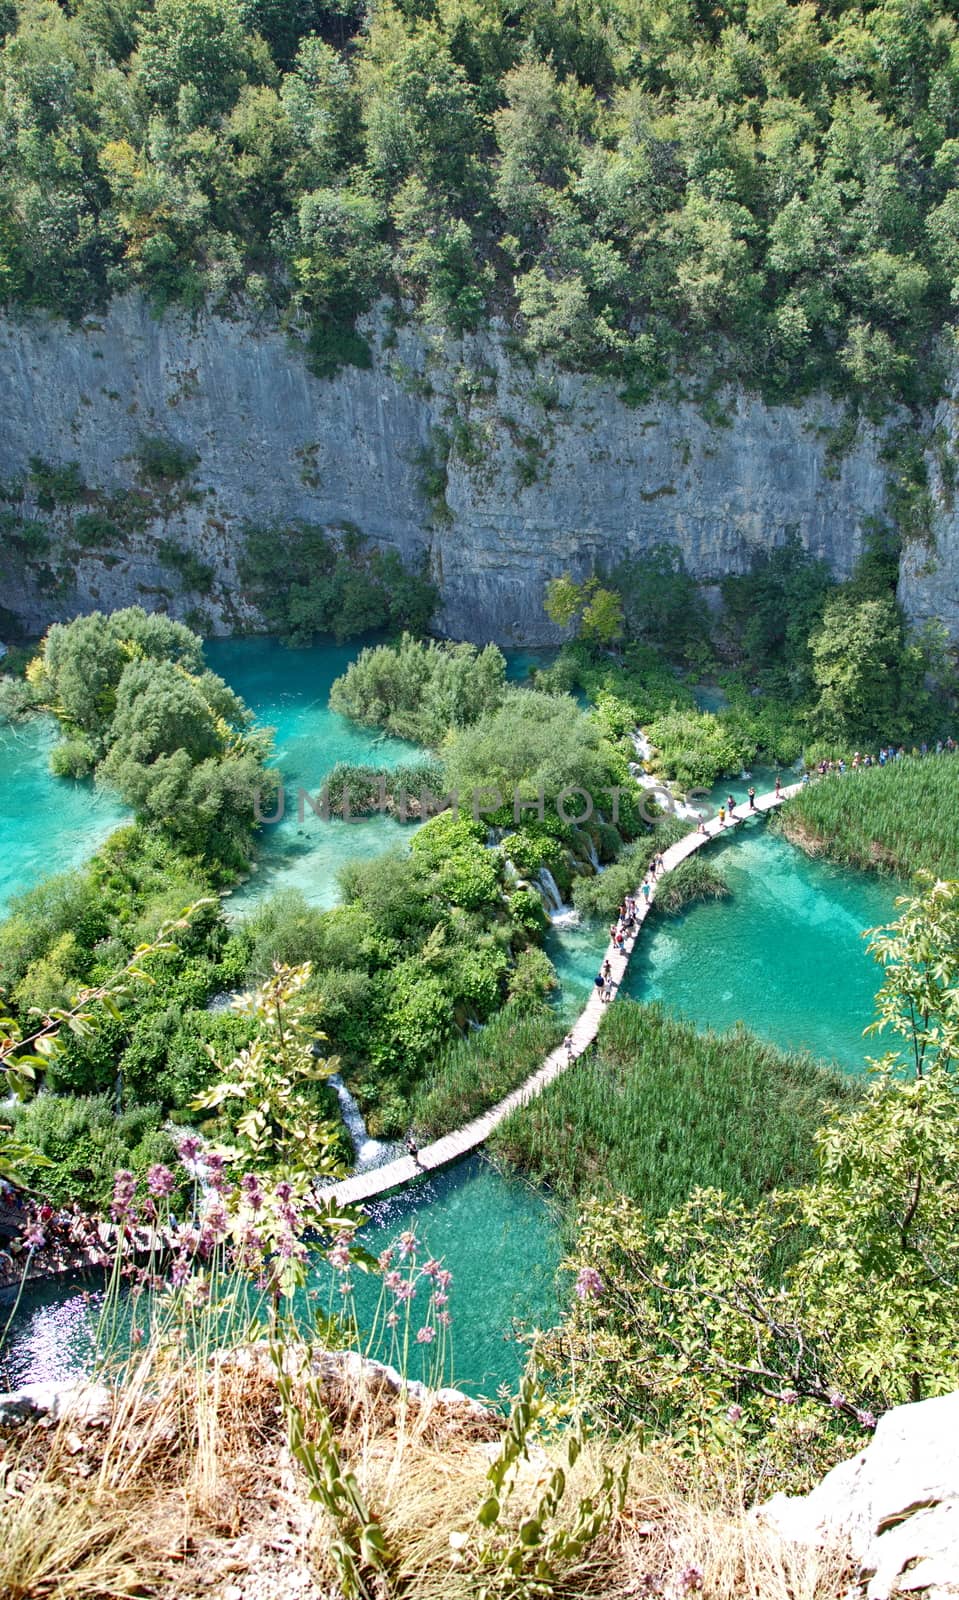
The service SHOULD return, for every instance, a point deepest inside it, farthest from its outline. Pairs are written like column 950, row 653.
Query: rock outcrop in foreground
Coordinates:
column 896, row 1503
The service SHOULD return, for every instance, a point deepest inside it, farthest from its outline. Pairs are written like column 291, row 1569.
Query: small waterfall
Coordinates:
column 369, row 1152
column 641, row 744
column 222, row 1001
column 565, row 917
column 591, row 855
column 550, row 888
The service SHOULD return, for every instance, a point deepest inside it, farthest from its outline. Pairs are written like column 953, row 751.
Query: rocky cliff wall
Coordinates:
column 499, row 477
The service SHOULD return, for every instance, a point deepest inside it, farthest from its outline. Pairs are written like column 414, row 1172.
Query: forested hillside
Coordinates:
column 753, row 187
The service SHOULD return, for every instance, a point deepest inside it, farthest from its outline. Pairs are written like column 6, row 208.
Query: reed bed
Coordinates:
column 655, row 1109
column 900, row 818
column 477, row 1071
column 694, row 879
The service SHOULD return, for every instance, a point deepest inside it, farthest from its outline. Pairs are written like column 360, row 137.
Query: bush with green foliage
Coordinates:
column 333, row 582
column 82, row 1142
column 420, row 690
column 694, row 748
column 137, row 704
column 624, row 191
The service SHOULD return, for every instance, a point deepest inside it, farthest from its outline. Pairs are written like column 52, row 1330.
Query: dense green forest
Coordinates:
column 754, row 186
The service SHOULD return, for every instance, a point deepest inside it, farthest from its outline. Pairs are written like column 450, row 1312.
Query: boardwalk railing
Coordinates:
column 366, row 1186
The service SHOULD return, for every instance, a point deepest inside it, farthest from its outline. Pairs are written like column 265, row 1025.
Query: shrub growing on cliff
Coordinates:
column 333, row 582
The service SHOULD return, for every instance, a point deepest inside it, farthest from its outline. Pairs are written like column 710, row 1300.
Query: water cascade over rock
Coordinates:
column 369, row 1152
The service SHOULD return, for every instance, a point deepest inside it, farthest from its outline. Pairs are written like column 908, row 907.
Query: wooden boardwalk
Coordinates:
column 394, row 1174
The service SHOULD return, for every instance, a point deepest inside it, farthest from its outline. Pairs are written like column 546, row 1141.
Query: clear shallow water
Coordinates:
column 498, row 1237
column 47, row 824
column 288, row 690
column 784, row 954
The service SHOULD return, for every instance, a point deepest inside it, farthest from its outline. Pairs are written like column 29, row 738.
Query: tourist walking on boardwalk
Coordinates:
column 730, row 804
column 568, row 1047
column 779, row 786
column 646, row 890
column 722, row 816
column 752, row 798
column 413, row 1150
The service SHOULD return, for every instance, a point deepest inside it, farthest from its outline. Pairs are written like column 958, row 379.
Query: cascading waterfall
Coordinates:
column 550, row 888
column 369, row 1152
column 560, row 914
column 591, row 855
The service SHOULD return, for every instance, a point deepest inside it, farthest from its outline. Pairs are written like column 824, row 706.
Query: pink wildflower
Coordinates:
column 734, row 1413
column 124, row 1188
column 408, row 1245
column 179, row 1272
column 425, row 1335
column 160, row 1181
column 188, row 1150
column 589, row 1284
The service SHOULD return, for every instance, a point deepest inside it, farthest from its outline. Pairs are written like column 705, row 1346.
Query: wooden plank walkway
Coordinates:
column 394, row 1174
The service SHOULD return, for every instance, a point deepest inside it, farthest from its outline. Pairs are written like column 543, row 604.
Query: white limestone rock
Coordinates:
column 896, row 1504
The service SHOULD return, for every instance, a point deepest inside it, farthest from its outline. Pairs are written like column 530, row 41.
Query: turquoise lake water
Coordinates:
column 47, row 824
column 499, row 1239
column 784, row 955
column 288, row 690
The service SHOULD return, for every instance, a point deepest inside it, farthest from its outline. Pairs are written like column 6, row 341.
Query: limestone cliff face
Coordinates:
column 929, row 572
column 498, row 477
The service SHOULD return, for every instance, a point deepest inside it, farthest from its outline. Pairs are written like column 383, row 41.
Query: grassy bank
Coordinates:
column 656, row 1109
column 899, row 818
column 94, row 1508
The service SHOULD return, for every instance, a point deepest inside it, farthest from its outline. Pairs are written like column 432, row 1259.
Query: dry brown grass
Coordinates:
column 186, row 1488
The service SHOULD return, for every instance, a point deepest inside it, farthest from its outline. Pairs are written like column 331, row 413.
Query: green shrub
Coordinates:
column 421, row 691
column 163, row 461
column 93, row 529
column 56, row 485
column 85, row 1142
column 195, row 576
column 72, row 758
